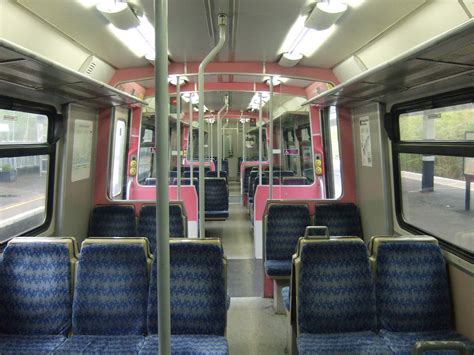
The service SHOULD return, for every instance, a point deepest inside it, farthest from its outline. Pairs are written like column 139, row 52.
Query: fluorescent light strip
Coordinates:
column 133, row 39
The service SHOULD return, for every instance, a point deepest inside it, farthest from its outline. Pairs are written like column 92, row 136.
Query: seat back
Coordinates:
column 295, row 180
column 412, row 287
column 111, row 289
column 285, row 223
column 147, row 223
column 334, row 287
column 112, row 221
column 265, row 181
column 342, row 219
column 36, row 286
column 216, row 195
column 198, row 288
column 214, row 174
column 245, row 178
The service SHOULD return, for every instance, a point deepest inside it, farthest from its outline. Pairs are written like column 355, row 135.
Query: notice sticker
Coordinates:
column 365, row 143
column 81, row 150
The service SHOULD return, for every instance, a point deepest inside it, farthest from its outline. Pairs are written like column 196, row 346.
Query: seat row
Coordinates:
column 104, row 300
column 285, row 223
column 119, row 221
column 343, row 301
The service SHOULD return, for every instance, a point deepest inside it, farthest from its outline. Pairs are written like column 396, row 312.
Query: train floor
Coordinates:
column 252, row 326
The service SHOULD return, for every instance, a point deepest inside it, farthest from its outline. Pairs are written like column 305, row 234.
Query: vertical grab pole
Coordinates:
column 178, row 135
column 270, row 150
column 222, row 22
column 244, row 158
column 191, row 143
column 260, row 143
column 219, row 144
column 161, row 163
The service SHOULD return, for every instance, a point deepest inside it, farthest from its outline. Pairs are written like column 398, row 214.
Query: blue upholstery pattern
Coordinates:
column 30, row 344
column 102, row 344
column 403, row 342
column 111, row 290
column 247, row 171
column 198, row 295
column 112, row 221
column 147, row 223
column 412, row 288
column 285, row 294
column 342, row 219
column 214, row 174
column 35, row 296
column 341, row 343
column 336, row 291
column 189, row 345
column 285, row 224
column 278, row 267
column 216, row 197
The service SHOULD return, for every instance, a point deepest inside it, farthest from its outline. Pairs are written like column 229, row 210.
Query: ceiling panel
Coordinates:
column 262, row 27
column 358, row 27
column 87, row 27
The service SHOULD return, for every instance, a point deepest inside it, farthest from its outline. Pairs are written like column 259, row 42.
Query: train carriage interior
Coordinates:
column 236, row 177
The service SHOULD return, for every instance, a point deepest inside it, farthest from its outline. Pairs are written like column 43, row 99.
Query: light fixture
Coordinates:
column 173, row 79
column 118, row 13
column 308, row 33
column 276, row 80
column 133, row 39
column 210, row 120
column 88, row 3
column 244, row 120
column 255, row 101
column 325, row 14
column 289, row 59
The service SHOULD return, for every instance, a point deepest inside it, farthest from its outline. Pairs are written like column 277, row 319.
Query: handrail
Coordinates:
column 222, row 22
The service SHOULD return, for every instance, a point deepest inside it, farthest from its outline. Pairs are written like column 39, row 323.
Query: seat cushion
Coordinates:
column 403, row 342
column 111, row 290
column 35, row 289
column 189, row 344
column 102, row 344
column 278, row 267
column 336, row 291
column 341, row 343
column 217, row 214
column 29, row 344
column 342, row 219
column 285, row 224
column 285, row 294
column 412, row 288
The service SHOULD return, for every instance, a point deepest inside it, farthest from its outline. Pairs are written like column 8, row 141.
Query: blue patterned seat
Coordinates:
column 102, row 344
column 189, row 344
column 336, row 308
column 285, row 224
column 30, row 344
column 35, row 297
column 413, row 301
column 111, row 290
column 112, row 221
column 35, row 289
column 147, row 223
column 216, row 198
column 198, row 295
column 342, row 219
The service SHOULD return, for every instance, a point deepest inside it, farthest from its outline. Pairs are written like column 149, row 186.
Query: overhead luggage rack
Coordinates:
column 49, row 81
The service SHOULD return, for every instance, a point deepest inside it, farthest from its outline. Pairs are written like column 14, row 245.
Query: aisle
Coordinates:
column 252, row 327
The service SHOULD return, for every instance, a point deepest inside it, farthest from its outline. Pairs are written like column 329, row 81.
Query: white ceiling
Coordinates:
column 257, row 28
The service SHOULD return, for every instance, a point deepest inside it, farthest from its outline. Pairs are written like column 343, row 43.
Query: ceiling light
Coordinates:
column 276, row 80
column 133, row 39
column 118, row 13
column 173, row 79
column 311, row 41
column 325, row 14
column 244, row 120
column 290, row 59
column 88, row 3
column 193, row 96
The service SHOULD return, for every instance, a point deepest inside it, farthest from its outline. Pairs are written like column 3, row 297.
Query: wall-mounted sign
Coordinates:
column 365, row 141
column 291, row 151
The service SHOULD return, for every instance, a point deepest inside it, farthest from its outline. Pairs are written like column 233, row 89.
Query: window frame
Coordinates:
column 49, row 148
column 440, row 148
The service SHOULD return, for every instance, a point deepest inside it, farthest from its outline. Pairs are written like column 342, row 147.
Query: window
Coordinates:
column 434, row 167
column 27, row 155
column 332, row 161
column 118, row 161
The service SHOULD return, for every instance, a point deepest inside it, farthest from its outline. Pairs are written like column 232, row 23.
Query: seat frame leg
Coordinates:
column 278, row 305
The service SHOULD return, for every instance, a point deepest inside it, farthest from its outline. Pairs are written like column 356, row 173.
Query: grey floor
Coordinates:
column 252, row 326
